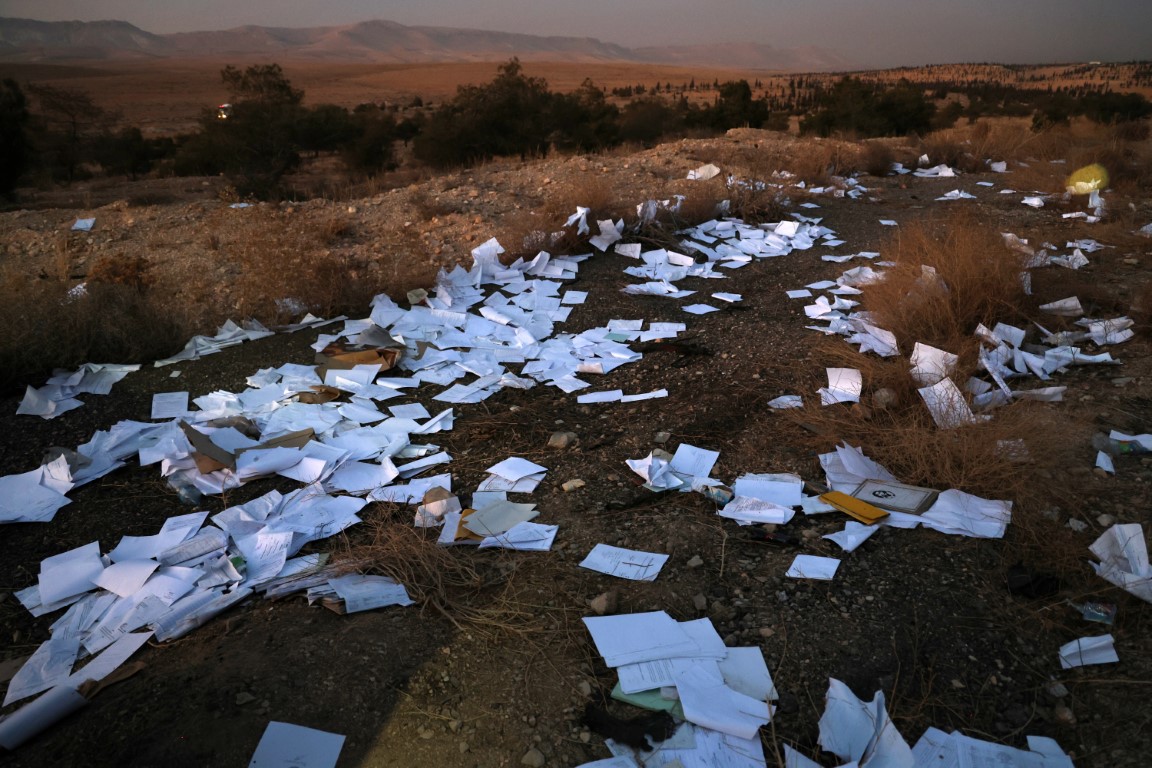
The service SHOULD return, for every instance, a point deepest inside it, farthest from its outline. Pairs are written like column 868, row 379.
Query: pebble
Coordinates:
column 561, row 439
column 604, row 603
column 767, row 632
column 585, row 688
column 243, row 698
column 1105, row 521
column 1077, row 525
column 573, row 485
column 662, row 437
column 1057, row 689
column 700, row 601
column 534, row 758
column 1063, row 715
column 695, row 562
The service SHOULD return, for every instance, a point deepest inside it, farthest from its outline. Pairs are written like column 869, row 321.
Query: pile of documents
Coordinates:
column 863, row 734
column 684, row 668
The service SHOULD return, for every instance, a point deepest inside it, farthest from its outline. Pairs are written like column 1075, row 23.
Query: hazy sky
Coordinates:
column 867, row 32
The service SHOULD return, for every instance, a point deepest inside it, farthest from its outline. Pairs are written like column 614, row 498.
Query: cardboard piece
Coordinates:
column 339, row 358
column 210, row 457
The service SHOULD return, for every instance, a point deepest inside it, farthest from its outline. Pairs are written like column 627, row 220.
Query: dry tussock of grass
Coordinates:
column 876, row 158
column 288, row 263
column 46, row 328
column 976, row 280
column 452, row 581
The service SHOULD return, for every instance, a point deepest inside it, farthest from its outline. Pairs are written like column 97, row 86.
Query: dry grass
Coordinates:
column 977, row 280
column 286, row 264
column 46, row 328
column 876, row 158
column 453, row 582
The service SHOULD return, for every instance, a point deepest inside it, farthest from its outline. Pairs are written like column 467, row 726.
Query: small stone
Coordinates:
column 884, row 398
column 1122, row 381
column 573, row 485
column 560, row 440
column 1063, row 715
column 243, row 698
column 766, row 631
column 533, row 758
column 695, row 562
column 700, row 602
column 604, row 603
column 809, row 533
column 1057, row 689
column 463, row 747
column 957, row 684
column 1077, row 525
column 1106, row 521
column 1101, row 472
column 585, row 736
column 585, row 688
column 662, row 437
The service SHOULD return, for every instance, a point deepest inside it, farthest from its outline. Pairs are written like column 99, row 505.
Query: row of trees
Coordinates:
column 61, row 133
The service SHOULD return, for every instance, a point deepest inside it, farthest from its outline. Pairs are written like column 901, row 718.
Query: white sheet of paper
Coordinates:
column 1088, row 650
column 47, row 667
column 126, row 576
column 813, row 567
column 523, row 537
column 844, row 386
column 284, row 745
column 694, row 462
column 69, row 573
column 853, row 535
column 624, row 563
column 633, row 637
column 716, row 706
column 363, row 593
column 750, row 510
column 515, row 468
column 947, row 405
column 783, row 488
column 849, row 728
column 169, row 405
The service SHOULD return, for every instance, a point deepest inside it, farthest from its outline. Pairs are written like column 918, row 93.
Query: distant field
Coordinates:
column 166, row 96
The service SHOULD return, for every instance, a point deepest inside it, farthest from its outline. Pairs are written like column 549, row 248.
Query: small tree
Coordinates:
column 14, row 147
column 69, row 124
column 508, row 116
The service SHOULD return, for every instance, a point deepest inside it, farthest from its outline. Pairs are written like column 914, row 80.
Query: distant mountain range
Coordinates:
column 384, row 42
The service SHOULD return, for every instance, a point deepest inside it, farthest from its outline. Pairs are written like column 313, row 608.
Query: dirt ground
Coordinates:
column 925, row 617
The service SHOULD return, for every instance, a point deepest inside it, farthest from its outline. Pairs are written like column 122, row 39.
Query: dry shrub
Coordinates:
column 132, row 271
column 285, row 266
column 977, row 280
column 876, row 158
column 1131, row 131
column 817, row 161
column 446, row 580
column 46, row 328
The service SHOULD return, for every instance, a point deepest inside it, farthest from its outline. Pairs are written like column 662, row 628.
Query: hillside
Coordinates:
column 379, row 41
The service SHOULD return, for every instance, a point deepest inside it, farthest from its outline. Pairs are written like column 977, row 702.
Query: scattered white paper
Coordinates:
column 624, row 563
column 1088, row 650
column 813, row 567
column 284, row 745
